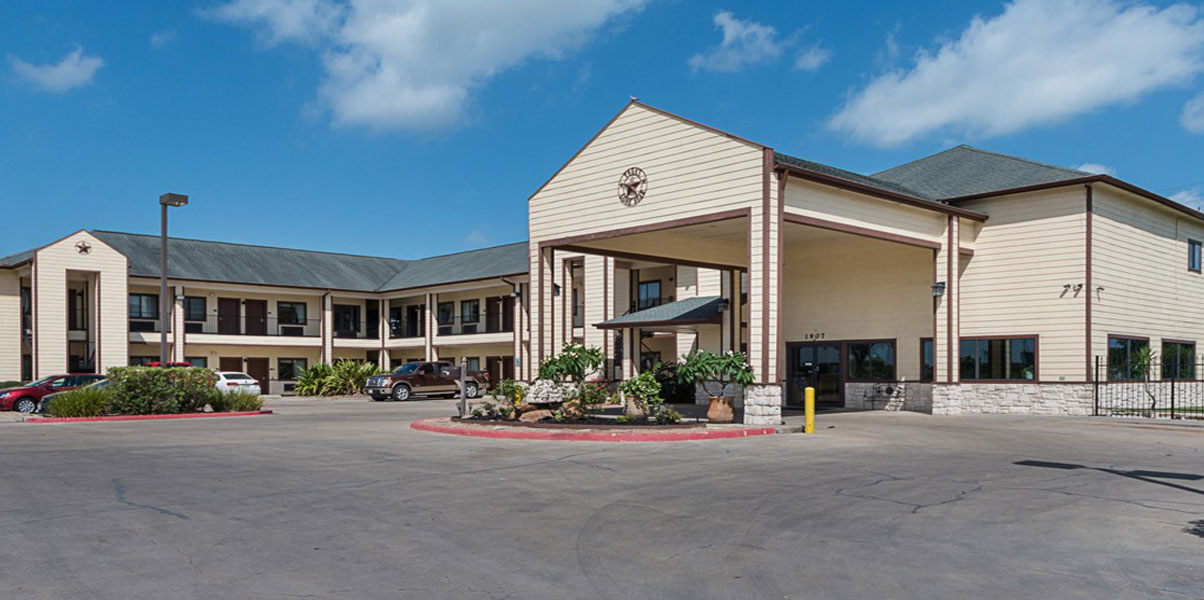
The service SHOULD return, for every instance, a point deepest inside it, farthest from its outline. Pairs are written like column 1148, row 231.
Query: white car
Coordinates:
column 231, row 381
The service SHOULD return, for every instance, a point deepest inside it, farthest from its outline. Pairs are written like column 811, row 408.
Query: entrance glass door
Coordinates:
column 817, row 366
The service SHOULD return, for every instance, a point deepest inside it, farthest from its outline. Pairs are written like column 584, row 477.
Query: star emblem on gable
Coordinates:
column 83, row 247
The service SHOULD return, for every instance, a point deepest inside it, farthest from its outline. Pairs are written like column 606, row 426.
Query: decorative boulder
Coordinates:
column 535, row 416
column 546, row 391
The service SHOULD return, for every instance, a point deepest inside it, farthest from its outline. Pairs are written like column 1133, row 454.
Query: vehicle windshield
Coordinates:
column 236, row 376
column 42, row 381
column 407, row 368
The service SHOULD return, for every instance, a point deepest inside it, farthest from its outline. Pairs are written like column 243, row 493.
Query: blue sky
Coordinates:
column 420, row 127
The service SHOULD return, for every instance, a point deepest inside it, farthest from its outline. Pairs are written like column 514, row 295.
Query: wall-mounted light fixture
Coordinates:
column 938, row 289
column 556, row 289
column 724, row 303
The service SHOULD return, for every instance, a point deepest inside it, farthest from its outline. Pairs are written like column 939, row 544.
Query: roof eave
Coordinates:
column 796, row 171
column 1108, row 179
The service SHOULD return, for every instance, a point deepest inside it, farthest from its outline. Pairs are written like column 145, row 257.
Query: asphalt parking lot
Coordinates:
column 343, row 500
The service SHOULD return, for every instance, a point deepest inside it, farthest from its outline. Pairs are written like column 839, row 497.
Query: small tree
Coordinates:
column 574, row 362
column 704, row 367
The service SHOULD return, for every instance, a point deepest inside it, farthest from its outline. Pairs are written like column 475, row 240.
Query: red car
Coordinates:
column 25, row 398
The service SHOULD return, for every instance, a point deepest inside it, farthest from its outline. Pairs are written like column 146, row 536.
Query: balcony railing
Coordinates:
column 403, row 329
column 484, row 324
column 362, row 332
column 269, row 326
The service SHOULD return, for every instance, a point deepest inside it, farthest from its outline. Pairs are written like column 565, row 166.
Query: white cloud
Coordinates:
column 1039, row 62
column 812, row 59
column 413, row 65
column 160, row 39
column 1097, row 168
column 1192, row 197
column 75, row 70
column 1192, row 117
column 476, row 238
column 744, row 43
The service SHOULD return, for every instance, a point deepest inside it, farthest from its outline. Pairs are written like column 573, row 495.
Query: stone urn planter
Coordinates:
column 702, row 367
column 721, row 410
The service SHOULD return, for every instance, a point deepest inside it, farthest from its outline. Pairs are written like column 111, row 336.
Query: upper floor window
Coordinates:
column 1193, row 256
column 1128, row 358
column 470, row 311
column 291, row 313
column 650, row 294
column 998, row 359
column 194, row 308
column 144, row 306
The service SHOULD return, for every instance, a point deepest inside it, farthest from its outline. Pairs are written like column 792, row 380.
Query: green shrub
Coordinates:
column 510, row 391
column 643, row 390
column 343, row 378
column 673, row 389
column 573, row 363
column 82, row 402
column 237, row 401
column 157, row 391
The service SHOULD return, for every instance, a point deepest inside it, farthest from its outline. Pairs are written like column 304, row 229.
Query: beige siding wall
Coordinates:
column 10, row 325
column 51, row 273
column 1032, row 246
column 848, row 208
column 1139, row 259
column 859, row 289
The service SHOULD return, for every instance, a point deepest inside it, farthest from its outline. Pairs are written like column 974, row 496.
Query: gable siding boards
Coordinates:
column 1139, row 258
column 819, row 201
column 1030, row 248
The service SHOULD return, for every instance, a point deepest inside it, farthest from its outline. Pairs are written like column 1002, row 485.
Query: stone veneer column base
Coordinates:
column 1068, row 399
column 763, row 405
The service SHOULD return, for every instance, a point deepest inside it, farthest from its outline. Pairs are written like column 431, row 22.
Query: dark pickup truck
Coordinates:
column 424, row 379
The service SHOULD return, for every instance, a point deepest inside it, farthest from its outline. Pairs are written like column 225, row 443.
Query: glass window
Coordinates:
column 1178, row 360
column 446, row 313
column 144, row 306
column 470, row 311
column 346, row 317
column 198, row 361
column 1128, row 358
column 291, row 313
column 289, row 368
column 871, row 361
column 650, row 294
column 142, row 361
column 1000, row 359
column 194, row 308
column 1193, row 256
column 926, row 362
column 473, row 363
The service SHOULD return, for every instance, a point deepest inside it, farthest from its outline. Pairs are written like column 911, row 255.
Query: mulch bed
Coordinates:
column 595, row 424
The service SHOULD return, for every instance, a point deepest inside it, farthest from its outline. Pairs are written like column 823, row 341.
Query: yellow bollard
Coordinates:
column 809, row 410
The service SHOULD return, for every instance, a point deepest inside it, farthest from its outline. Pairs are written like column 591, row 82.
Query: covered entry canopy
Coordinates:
column 682, row 315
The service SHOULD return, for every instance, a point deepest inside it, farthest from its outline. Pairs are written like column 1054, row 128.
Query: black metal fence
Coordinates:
column 1143, row 391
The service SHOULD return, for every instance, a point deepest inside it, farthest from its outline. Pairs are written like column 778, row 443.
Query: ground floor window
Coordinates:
column 290, row 368
column 927, row 364
column 198, row 361
column 998, row 359
column 1128, row 358
column 871, row 361
column 473, row 363
column 142, row 361
column 1178, row 360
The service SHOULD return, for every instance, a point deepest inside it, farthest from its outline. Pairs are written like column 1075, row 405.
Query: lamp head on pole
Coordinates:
column 173, row 199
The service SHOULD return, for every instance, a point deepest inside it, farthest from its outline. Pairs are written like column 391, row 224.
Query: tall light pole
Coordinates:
column 165, row 201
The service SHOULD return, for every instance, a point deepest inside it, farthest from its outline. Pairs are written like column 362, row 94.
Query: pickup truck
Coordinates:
column 424, row 379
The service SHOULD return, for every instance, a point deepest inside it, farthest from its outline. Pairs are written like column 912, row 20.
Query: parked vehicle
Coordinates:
column 233, row 381
column 44, row 403
column 25, row 398
column 424, row 379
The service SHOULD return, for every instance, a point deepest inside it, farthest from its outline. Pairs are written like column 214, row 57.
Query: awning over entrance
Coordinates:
column 691, row 311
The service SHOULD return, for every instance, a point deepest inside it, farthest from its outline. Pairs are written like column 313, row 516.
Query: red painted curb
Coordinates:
column 249, row 413
column 612, row 436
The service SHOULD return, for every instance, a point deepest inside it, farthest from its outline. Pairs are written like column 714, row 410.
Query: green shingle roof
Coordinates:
column 874, row 182
column 699, row 309
column 16, row 259
column 964, row 170
column 241, row 263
